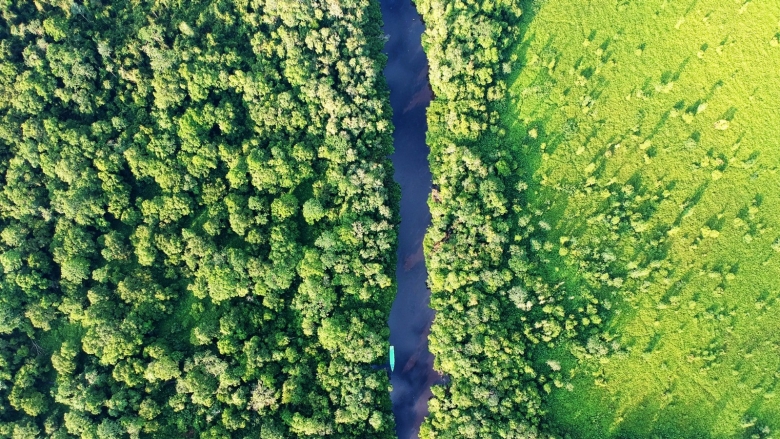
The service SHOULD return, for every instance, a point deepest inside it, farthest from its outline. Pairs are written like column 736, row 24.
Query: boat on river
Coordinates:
column 392, row 358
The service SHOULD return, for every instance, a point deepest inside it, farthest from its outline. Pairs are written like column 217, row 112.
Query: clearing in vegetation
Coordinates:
column 649, row 135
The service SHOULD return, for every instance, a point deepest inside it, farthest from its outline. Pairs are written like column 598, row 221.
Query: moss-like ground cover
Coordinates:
column 650, row 132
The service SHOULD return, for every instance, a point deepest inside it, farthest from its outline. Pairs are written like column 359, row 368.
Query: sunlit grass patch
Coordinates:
column 650, row 133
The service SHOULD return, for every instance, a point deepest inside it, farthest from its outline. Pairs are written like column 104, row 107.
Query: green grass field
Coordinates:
column 650, row 132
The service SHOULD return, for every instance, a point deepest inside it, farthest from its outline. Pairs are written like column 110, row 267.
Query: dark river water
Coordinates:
column 410, row 317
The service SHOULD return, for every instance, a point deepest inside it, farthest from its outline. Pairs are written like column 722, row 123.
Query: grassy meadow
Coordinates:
column 650, row 137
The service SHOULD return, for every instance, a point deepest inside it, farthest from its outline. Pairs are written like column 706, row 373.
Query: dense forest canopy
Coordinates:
column 197, row 219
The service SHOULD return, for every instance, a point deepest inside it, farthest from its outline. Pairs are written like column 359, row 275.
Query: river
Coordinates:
column 410, row 317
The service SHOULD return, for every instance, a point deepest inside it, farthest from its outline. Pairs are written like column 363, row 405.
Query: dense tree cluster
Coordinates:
column 197, row 219
column 499, row 308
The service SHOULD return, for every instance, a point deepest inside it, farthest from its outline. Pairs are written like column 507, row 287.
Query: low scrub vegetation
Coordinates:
column 648, row 133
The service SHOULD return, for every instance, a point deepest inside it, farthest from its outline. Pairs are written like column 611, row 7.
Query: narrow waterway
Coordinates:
column 410, row 317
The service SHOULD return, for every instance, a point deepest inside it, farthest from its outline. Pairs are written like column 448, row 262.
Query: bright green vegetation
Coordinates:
column 648, row 133
column 197, row 220
column 605, row 245
column 493, row 304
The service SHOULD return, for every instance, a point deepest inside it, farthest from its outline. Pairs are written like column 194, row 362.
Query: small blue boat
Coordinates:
column 392, row 358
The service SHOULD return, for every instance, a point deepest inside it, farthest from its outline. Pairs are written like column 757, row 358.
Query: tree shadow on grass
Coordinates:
column 534, row 142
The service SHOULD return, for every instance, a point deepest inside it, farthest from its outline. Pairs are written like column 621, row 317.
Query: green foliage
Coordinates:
column 190, row 195
column 494, row 306
column 602, row 257
column 647, row 132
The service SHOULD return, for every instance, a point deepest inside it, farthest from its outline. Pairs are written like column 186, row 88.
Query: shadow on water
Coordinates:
column 410, row 318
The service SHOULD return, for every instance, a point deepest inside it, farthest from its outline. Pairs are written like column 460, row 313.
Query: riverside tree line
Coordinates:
column 500, row 310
